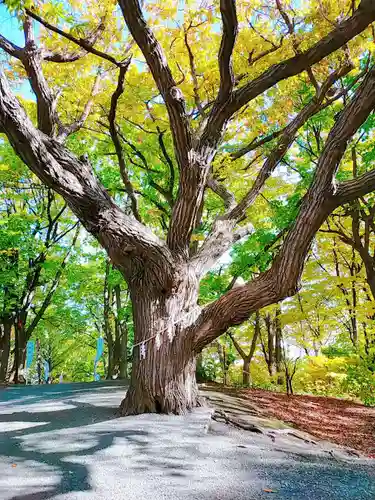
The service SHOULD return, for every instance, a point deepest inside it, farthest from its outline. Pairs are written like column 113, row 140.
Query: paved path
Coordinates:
column 63, row 442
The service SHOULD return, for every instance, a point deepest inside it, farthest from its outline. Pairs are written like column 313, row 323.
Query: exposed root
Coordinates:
column 221, row 416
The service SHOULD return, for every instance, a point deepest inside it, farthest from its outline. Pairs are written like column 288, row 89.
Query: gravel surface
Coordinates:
column 64, row 442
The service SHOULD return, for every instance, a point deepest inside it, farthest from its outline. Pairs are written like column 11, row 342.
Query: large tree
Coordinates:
column 163, row 273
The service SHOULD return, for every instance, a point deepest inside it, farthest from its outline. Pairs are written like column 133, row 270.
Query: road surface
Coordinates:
column 63, row 442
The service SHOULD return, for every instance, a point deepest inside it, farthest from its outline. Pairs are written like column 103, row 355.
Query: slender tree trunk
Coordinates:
column 123, row 374
column 121, row 337
column 107, row 313
column 278, row 348
column 270, row 345
column 5, row 350
column 110, row 366
column 163, row 369
column 20, row 343
column 246, row 372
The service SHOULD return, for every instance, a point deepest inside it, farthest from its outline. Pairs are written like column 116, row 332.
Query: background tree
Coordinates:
column 37, row 238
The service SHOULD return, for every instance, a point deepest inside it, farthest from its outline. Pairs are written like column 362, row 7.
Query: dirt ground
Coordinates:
column 342, row 422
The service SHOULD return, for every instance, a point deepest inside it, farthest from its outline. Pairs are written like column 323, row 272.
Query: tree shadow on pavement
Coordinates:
column 74, row 476
column 70, row 446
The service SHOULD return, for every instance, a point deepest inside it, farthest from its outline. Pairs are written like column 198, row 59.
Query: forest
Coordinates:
column 193, row 183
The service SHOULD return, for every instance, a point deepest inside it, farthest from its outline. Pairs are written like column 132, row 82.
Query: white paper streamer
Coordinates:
column 170, row 332
column 157, row 341
column 142, row 351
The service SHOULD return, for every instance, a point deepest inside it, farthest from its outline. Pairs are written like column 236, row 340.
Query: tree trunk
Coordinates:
column 246, row 372
column 19, row 361
column 123, row 373
column 163, row 369
column 278, row 349
column 270, row 344
column 5, row 350
column 121, row 343
column 110, row 365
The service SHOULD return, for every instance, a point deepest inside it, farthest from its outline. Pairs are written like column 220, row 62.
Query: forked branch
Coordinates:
column 281, row 280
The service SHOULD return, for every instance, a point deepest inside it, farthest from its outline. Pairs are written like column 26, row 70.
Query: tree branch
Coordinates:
column 116, row 141
column 10, row 48
column 66, row 130
column 283, row 144
column 193, row 179
column 338, row 37
column 156, row 61
column 31, row 58
column 350, row 190
column 84, row 43
column 255, row 144
column 221, row 237
column 130, row 245
column 281, row 280
column 227, row 197
column 194, row 77
column 230, row 29
column 239, row 349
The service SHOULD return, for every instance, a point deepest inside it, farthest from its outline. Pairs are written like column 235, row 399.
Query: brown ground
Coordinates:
column 342, row 422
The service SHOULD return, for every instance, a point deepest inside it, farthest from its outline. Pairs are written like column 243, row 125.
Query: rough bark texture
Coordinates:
column 164, row 380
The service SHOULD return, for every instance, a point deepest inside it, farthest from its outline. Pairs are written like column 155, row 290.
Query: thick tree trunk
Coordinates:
column 163, row 369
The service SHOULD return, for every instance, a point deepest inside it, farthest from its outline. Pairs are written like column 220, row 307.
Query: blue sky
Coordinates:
column 10, row 29
column 9, row 26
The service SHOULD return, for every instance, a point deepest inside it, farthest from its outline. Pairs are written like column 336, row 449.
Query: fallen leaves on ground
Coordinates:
column 343, row 422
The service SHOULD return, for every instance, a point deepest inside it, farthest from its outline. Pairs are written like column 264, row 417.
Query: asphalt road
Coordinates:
column 64, row 442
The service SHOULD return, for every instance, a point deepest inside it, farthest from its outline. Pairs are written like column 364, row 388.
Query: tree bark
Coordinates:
column 5, row 350
column 270, row 344
column 121, row 332
column 163, row 369
column 246, row 372
column 278, row 347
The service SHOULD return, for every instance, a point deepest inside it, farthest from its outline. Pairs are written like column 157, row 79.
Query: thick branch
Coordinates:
column 283, row 144
column 46, row 100
column 343, row 33
column 227, row 197
column 281, row 280
column 10, row 48
column 230, row 29
column 172, row 95
column 131, row 246
column 350, row 190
